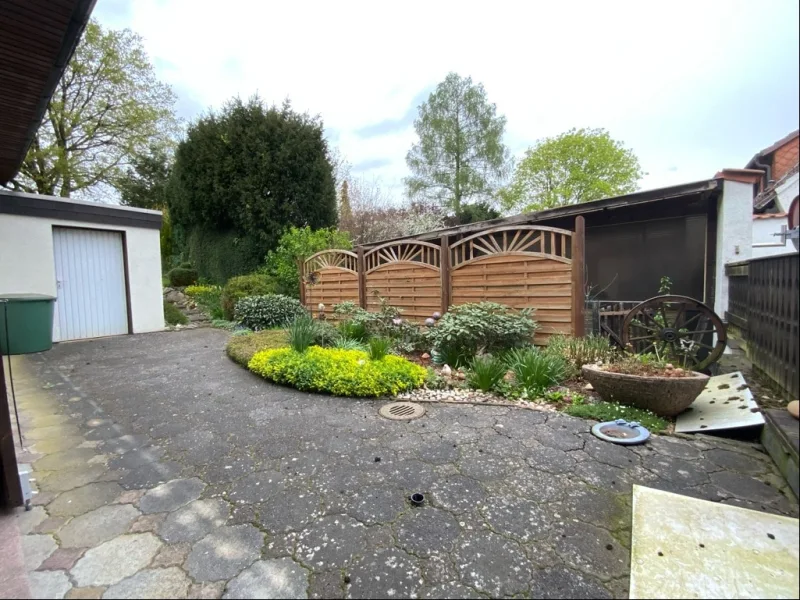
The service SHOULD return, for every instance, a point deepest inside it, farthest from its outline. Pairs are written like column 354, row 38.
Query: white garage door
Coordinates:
column 90, row 279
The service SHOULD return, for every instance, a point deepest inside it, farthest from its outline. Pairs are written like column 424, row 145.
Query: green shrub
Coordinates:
column 378, row 348
column 254, row 284
column 354, row 330
column 467, row 329
column 453, row 356
column 301, row 333
column 581, row 351
column 348, row 344
column 264, row 312
column 534, row 370
column 298, row 243
column 485, row 372
column 241, row 348
column 180, row 277
column 219, row 255
column 185, row 265
column 609, row 411
column 325, row 334
column 387, row 322
column 208, row 297
column 339, row 372
column 173, row 315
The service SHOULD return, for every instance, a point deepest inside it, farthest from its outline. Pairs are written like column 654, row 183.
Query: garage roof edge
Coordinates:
column 67, row 209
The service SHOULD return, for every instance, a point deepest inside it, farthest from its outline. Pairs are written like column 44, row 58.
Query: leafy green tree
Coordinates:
column 144, row 183
column 241, row 177
column 460, row 155
column 580, row 165
column 297, row 244
column 107, row 109
column 474, row 213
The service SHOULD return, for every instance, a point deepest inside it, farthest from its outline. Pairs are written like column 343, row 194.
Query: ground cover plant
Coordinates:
column 338, row 372
column 241, row 348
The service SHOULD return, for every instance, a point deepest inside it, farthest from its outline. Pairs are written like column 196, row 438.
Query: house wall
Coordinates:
column 764, row 242
column 734, row 234
column 788, row 191
column 785, row 158
column 27, row 264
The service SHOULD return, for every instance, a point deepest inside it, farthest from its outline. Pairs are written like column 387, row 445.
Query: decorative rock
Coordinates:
column 152, row 583
column 277, row 578
column 794, row 409
column 447, row 371
column 589, row 387
column 115, row 560
column 425, row 356
column 509, row 377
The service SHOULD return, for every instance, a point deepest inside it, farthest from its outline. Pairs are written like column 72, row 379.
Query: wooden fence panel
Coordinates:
column 407, row 276
column 330, row 277
column 522, row 267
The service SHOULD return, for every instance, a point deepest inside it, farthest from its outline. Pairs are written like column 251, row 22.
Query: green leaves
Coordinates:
column 296, row 244
column 107, row 110
column 460, row 155
column 255, row 171
column 580, row 165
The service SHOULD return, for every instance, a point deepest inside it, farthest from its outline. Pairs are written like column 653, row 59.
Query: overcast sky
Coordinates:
column 691, row 87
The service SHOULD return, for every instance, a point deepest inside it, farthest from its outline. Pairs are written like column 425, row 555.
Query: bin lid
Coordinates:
column 25, row 297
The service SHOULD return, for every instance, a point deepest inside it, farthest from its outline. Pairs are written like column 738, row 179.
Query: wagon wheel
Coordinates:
column 675, row 327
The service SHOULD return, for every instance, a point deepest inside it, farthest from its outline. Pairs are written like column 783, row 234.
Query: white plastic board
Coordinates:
column 725, row 403
column 683, row 547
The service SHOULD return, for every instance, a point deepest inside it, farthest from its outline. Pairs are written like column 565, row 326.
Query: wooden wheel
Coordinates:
column 676, row 328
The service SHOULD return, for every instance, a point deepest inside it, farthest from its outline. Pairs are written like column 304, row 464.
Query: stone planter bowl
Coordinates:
column 665, row 396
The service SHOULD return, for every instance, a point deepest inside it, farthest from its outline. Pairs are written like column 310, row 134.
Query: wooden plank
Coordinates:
column 445, row 276
column 362, row 277
column 578, row 286
column 302, row 282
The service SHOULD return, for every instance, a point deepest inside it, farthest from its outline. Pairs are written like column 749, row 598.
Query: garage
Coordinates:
column 101, row 263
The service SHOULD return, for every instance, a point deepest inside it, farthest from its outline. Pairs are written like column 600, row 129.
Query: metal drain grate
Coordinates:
column 402, row 411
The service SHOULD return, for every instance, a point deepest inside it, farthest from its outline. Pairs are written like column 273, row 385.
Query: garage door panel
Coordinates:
column 90, row 280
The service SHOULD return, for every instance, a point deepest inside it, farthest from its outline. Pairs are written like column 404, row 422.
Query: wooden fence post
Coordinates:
column 362, row 278
column 300, row 266
column 444, row 268
column 578, row 287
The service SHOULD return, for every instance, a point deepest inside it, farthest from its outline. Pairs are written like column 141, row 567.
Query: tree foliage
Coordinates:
column 297, row 244
column 252, row 170
column 371, row 215
column 107, row 109
column 460, row 155
column 577, row 166
column 143, row 184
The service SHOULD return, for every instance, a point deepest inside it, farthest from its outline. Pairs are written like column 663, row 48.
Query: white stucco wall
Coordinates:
column 734, row 234
column 787, row 191
column 766, row 244
column 27, row 264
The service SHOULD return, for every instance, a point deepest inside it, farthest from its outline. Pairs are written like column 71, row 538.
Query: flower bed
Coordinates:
column 339, row 372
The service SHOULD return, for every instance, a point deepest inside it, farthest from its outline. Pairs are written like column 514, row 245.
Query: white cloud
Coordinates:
column 691, row 86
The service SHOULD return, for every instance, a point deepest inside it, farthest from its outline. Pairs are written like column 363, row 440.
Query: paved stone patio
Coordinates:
column 165, row 470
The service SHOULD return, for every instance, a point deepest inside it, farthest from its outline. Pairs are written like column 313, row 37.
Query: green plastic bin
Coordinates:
column 30, row 323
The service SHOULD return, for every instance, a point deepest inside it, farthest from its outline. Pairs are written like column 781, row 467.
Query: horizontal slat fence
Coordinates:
column 763, row 302
column 521, row 266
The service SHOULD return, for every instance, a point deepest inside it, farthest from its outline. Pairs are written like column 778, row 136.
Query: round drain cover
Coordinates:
column 621, row 432
column 402, row 411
